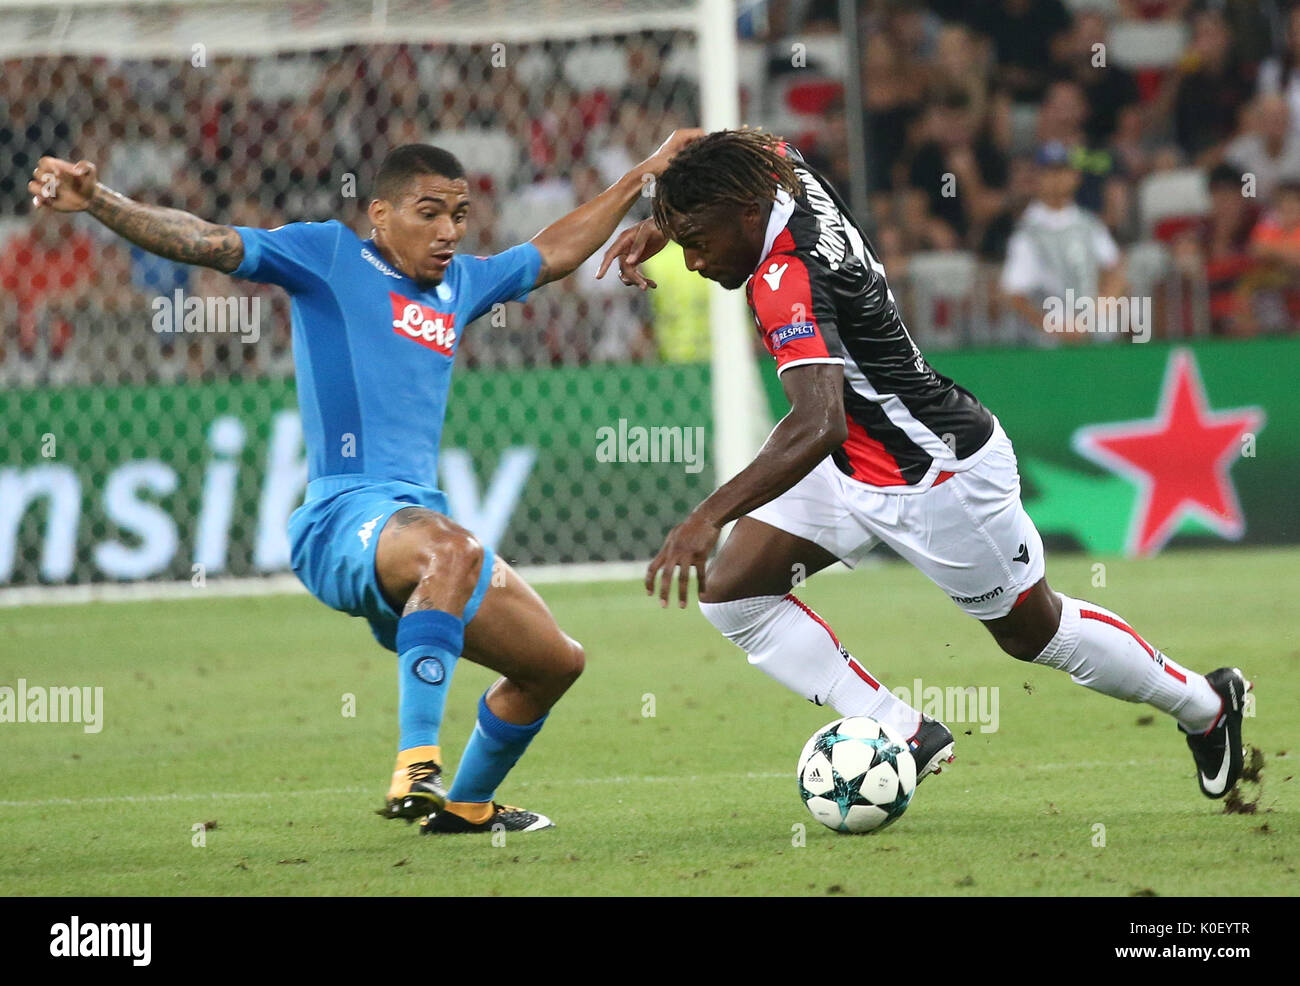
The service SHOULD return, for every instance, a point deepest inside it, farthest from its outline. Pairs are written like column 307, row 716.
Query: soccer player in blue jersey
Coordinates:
column 376, row 323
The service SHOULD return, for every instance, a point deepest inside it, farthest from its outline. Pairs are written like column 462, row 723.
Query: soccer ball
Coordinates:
column 856, row 775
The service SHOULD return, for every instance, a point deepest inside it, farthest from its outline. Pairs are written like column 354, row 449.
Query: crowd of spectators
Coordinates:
column 264, row 141
column 1179, row 121
column 1146, row 147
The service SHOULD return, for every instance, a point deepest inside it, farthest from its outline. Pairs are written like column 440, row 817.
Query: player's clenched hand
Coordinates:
column 630, row 248
column 688, row 546
column 61, row 185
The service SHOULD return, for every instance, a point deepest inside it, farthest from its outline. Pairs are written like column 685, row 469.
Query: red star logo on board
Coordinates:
column 1179, row 459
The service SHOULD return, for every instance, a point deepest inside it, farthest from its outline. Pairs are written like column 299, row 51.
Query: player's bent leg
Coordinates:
column 1101, row 651
column 748, row 597
column 428, row 568
column 513, row 633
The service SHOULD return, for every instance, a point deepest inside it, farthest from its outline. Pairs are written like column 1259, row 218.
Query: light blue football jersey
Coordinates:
column 373, row 351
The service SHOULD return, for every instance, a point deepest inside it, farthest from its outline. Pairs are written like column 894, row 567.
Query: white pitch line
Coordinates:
column 158, row 798
column 573, row 782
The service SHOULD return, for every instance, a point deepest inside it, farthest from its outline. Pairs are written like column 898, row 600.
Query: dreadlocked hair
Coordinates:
column 728, row 167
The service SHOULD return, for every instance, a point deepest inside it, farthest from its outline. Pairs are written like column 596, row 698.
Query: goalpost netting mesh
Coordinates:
column 133, row 447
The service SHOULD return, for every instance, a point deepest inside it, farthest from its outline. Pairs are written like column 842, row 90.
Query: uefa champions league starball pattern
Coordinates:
column 856, row 775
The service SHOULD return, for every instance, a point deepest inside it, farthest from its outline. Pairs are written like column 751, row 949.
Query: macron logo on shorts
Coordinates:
column 430, row 328
column 968, row 600
column 788, row 333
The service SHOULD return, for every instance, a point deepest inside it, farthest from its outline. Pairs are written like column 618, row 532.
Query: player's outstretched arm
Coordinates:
column 813, row 429
column 570, row 240
column 66, row 187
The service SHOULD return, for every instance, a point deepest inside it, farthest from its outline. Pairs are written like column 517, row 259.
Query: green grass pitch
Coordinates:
column 231, row 711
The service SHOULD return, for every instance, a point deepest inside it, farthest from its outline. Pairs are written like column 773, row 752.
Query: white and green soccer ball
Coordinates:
column 856, row 775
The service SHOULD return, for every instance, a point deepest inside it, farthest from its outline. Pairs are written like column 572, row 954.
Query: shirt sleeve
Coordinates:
column 507, row 276
column 296, row 256
column 1020, row 271
column 794, row 313
column 1104, row 244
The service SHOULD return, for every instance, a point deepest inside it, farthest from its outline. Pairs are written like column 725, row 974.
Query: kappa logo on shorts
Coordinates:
column 429, row 327
column 367, row 529
column 795, row 330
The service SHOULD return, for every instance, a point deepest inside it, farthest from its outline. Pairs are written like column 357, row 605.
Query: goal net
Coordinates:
column 150, row 429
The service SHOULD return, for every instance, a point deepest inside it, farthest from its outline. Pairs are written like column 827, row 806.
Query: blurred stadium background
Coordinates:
column 128, row 453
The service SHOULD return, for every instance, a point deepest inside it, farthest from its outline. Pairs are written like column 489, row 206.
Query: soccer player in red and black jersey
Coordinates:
column 877, row 447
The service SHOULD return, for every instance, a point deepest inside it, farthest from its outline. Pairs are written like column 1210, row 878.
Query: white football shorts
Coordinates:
column 969, row 534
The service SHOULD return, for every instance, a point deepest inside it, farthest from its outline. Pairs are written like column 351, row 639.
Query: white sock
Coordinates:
column 788, row 641
column 1102, row 652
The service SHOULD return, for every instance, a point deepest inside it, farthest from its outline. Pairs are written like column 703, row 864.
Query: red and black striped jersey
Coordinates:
column 819, row 295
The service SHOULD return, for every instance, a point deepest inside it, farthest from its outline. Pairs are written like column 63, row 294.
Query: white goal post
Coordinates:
column 740, row 416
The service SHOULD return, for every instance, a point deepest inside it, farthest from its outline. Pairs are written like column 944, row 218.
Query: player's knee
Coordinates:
column 712, row 594
column 556, row 671
column 1024, row 642
column 452, row 555
column 719, row 585
column 1019, row 646
column 1027, row 630
column 720, row 594
column 574, row 662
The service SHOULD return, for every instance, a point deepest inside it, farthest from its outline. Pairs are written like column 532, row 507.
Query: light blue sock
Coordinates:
column 429, row 643
column 494, row 747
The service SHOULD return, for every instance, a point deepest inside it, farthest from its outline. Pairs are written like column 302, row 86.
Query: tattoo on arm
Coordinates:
column 170, row 233
column 410, row 515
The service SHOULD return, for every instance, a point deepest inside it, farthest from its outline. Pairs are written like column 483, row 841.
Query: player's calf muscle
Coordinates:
column 532, row 685
column 515, row 635
column 424, row 561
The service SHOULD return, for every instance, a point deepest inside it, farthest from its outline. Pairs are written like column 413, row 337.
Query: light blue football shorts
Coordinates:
column 333, row 537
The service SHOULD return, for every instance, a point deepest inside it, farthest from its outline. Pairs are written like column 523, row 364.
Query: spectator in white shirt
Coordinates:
column 1059, row 252
column 1270, row 149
